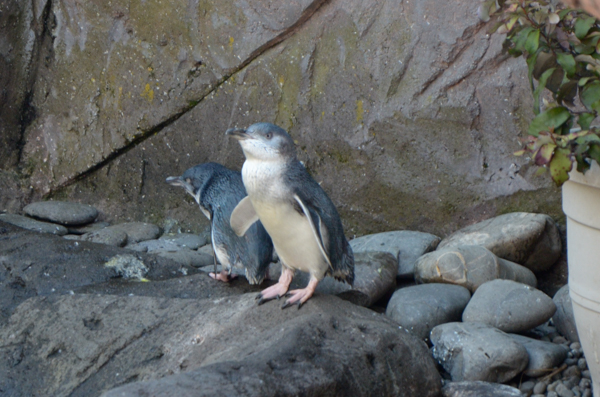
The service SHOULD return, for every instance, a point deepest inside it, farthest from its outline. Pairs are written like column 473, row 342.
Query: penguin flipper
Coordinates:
column 316, row 224
column 243, row 216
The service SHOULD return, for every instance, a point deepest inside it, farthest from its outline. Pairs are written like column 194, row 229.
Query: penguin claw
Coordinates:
column 288, row 304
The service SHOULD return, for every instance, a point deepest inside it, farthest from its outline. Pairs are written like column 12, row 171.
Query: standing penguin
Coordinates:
column 300, row 218
column 217, row 190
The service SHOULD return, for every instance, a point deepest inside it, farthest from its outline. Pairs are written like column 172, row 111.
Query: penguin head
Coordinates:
column 194, row 178
column 265, row 141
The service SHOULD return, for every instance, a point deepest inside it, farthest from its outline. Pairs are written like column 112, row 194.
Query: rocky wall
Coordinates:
column 408, row 113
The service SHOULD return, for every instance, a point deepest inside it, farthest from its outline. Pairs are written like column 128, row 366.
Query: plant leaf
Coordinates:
column 594, row 153
column 567, row 62
column 583, row 26
column 533, row 41
column 590, row 94
column 540, row 88
column 560, row 165
column 544, row 154
column 549, row 119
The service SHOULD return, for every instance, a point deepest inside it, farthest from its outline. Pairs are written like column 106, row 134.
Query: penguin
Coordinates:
column 301, row 219
column 218, row 190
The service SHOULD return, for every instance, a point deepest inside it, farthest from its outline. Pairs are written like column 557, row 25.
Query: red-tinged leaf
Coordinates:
column 560, row 165
column 544, row 154
column 520, row 152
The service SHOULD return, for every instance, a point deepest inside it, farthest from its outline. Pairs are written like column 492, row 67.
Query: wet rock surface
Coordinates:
column 405, row 245
column 62, row 212
column 509, row 306
column 469, row 266
column 132, row 298
column 421, row 307
column 32, row 224
column 532, row 240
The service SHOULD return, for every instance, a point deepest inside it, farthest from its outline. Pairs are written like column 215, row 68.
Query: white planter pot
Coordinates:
column 581, row 204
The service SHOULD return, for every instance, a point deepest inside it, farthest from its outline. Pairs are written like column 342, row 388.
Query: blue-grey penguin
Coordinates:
column 298, row 215
column 217, row 190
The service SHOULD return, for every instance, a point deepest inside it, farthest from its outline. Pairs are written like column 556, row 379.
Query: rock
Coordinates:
column 32, row 224
column 374, row 277
column 531, row 240
column 421, row 307
column 479, row 389
column 92, row 227
column 211, row 68
column 108, row 236
column 469, row 266
column 89, row 344
column 543, row 356
column 128, row 266
column 156, row 245
column 186, row 257
column 405, row 245
column 563, row 319
column 138, row 231
column 186, row 240
column 44, row 264
column 475, row 351
column 509, row 306
column 65, row 213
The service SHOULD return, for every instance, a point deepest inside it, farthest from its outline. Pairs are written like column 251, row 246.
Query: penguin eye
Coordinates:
column 268, row 135
column 188, row 180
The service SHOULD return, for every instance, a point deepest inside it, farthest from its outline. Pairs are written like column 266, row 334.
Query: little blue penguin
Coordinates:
column 298, row 215
column 217, row 190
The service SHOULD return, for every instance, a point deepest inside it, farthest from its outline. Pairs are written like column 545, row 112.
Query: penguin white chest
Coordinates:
column 292, row 235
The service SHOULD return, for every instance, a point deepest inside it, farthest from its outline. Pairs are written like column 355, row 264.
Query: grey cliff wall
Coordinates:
column 407, row 111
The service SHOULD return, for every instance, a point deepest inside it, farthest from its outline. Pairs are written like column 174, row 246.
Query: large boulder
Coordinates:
column 84, row 345
column 395, row 108
column 531, row 240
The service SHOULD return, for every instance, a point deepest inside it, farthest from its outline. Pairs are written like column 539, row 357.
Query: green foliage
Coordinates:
column 562, row 50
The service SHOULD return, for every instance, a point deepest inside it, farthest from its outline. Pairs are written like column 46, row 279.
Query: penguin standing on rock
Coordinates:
column 217, row 190
column 298, row 215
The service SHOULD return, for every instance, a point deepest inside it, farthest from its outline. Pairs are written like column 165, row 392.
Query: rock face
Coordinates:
column 479, row 389
column 543, row 356
column 396, row 108
column 531, row 240
column 76, row 319
column 65, row 213
column 86, row 344
column 564, row 318
column 469, row 266
column 405, row 245
column 475, row 351
column 509, row 306
column 421, row 307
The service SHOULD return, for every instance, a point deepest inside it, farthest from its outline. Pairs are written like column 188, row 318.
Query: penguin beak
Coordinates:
column 175, row 181
column 238, row 134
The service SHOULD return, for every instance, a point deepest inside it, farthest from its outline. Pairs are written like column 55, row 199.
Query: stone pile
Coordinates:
column 471, row 297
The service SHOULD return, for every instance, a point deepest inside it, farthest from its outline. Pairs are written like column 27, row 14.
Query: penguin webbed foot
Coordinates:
column 223, row 276
column 300, row 296
column 276, row 291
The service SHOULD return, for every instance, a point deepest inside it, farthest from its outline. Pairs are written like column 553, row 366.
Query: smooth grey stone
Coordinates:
column 563, row 391
column 186, row 240
column 207, row 249
column 563, row 319
column 476, row 351
column 374, row 277
column 479, row 389
column 509, row 306
column 540, row 387
column 405, row 245
column 186, row 257
column 469, row 266
column 527, row 387
column 62, row 212
column 33, row 225
column 72, row 236
column 532, row 240
column 543, row 356
column 421, row 307
column 92, row 227
column 108, row 235
column 155, row 245
column 139, row 231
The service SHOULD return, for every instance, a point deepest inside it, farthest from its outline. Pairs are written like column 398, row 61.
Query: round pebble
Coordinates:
column 540, row 388
column 62, row 212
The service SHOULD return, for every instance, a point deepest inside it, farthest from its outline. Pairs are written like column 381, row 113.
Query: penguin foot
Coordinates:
column 300, row 296
column 223, row 276
column 276, row 291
